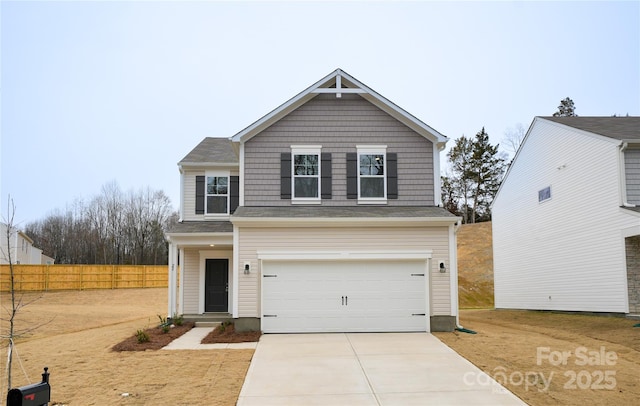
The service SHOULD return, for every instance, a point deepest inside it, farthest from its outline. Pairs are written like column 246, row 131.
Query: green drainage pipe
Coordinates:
column 636, row 325
column 465, row 330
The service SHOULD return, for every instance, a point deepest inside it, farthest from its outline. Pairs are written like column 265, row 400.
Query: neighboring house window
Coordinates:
column 217, row 194
column 544, row 194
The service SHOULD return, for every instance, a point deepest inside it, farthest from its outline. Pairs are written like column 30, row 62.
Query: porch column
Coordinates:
column 172, row 281
column 181, row 267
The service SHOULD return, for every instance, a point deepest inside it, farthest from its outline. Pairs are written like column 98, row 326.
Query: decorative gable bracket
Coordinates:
column 338, row 90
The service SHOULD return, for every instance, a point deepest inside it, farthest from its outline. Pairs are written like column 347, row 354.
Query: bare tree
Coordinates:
column 10, row 231
column 17, row 298
column 111, row 228
column 513, row 137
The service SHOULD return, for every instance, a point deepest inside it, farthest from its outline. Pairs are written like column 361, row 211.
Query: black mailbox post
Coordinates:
column 38, row 394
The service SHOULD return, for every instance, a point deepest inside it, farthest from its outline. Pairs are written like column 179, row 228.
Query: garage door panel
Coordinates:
column 350, row 296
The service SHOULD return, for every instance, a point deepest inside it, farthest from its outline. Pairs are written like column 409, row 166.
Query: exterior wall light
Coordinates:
column 443, row 268
column 247, row 268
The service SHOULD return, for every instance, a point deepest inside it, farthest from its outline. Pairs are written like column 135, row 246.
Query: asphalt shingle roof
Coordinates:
column 620, row 128
column 212, row 150
column 201, row 227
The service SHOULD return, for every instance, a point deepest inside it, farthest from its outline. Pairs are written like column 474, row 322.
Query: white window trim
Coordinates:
column 548, row 198
column 372, row 150
column 306, row 150
column 210, row 174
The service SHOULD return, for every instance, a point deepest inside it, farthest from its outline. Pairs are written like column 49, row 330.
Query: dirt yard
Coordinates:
column 75, row 343
column 554, row 359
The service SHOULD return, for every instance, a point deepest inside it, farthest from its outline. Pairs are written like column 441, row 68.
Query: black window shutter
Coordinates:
column 325, row 182
column 285, row 175
column 352, row 175
column 199, row 194
column 234, row 193
column 392, row 175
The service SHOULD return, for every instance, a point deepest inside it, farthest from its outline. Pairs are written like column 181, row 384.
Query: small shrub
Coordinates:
column 142, row 336
column 223, row 326
column 178, row 320
column 165, row 325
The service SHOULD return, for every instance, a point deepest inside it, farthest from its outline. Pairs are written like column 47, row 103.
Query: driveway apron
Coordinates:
column 365, row 369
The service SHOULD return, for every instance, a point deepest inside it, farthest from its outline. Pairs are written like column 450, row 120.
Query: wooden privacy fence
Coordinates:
column 79, row 277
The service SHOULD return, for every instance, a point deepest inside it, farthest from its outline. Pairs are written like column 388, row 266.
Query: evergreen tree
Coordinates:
column 485, row 171
column 566, row 108
column 477, row 170
column 459, row 157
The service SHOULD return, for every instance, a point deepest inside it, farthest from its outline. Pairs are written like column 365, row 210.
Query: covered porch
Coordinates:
column 202, row 282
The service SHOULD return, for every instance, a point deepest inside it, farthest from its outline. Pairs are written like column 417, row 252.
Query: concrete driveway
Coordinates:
column 365, row 369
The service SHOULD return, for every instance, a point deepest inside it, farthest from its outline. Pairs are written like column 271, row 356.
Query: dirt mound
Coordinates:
column 475, row 266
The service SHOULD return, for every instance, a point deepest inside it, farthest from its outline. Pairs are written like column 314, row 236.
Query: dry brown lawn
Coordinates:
column 76, row 341
column 80, row 329
column 527, row 348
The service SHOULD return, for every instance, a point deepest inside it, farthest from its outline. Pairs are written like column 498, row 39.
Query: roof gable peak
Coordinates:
column 340, row 82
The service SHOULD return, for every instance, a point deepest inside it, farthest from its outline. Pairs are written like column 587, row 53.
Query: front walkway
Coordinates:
column 365, row 369
column 192, row 338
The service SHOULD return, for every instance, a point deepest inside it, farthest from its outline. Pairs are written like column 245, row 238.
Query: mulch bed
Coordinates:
column 157, row 338
column 225, row 333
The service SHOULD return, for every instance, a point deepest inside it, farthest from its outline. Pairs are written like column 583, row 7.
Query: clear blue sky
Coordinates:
column 93, row 92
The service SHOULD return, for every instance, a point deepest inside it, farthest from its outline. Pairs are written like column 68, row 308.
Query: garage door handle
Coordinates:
column 346, row 300
column 343, row 300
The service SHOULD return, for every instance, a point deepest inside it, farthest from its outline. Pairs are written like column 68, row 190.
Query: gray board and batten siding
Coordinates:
column 338, row 125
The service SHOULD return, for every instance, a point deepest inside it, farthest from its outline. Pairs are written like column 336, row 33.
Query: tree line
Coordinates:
column 113, row 227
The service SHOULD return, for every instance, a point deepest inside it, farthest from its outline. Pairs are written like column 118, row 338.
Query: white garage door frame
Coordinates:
column 267, row 257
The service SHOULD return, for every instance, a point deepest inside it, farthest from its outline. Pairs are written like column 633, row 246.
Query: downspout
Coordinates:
column 458, row 327
column 623, row 182
column 181, row 209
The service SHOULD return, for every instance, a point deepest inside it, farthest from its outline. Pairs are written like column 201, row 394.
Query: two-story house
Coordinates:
column 19, row 247
column 566, row 220
column 322, row 216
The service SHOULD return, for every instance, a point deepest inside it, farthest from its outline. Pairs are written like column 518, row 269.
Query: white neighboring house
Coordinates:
column 566, row 220
column 22, row 249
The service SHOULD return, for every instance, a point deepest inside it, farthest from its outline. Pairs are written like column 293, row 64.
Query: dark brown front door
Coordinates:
column 216, row 285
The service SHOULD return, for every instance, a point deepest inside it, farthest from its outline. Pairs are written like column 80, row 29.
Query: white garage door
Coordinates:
column 344, row 296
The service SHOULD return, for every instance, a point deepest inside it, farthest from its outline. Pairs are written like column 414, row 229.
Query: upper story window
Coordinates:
column 372, row 175
column 544, row 194
column 305, row 177
column 217, row 194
